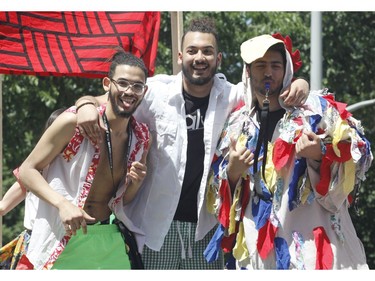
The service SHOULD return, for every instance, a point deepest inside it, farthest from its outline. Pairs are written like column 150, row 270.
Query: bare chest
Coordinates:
column 110, row 173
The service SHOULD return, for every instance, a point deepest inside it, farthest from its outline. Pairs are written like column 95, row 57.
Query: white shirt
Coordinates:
column 71, row 174
column 163, row 110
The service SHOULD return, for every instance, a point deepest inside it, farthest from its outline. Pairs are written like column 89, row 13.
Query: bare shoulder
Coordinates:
column 66, row 118
column 102, row 99
column 63, row 126
column 52, row 142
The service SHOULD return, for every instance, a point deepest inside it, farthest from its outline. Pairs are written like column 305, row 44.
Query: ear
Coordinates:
column 248, row 70
column 219, row 58
column 179, row 59
column 106, row 84
column 145, row 90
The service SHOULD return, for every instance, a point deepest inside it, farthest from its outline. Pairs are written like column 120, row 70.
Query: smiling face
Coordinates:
column 124, row 101
column 199, row 58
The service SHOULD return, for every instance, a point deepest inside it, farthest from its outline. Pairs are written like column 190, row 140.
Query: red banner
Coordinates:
column 74, row 43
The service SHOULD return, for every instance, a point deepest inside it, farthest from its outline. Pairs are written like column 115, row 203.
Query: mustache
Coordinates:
column 267, row 81
column 200, row 63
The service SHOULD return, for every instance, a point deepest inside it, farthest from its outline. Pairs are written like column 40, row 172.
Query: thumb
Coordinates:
column 88, row 217
column 146, row 149
column 310, row 135
column 233, row 144
column 144, row 155
column 284, row 93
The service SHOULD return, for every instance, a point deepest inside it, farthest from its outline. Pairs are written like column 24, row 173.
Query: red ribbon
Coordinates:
column 324, row 253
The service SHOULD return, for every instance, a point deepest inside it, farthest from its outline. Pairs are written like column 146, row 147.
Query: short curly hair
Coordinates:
column 203, row 25
column 121, row 57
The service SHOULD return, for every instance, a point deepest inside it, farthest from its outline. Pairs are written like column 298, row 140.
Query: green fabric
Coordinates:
column 101, row 248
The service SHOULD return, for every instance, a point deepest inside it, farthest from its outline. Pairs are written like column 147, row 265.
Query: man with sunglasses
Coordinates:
column 81, row 216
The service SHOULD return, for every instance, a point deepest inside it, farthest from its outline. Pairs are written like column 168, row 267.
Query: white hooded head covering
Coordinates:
column 256, row 48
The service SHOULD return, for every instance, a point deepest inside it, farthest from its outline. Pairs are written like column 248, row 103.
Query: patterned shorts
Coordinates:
column 180, row 251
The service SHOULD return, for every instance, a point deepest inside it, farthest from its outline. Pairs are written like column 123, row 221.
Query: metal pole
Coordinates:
column 359, row 105
column 1, row 154
column 177, row 30
column 316, row 51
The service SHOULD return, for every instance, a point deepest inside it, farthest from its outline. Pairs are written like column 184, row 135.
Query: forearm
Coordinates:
column 12, row 198
column 86, row 99
column 88, row 117
column 96, row 101
column 233, row 176
column 130, row 193
column 296, row 94
column 33, row 181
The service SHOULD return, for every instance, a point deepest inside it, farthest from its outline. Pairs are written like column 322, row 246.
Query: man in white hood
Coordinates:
column 283, row 178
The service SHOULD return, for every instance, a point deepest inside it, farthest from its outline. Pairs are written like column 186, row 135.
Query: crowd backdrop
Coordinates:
column 348, row 71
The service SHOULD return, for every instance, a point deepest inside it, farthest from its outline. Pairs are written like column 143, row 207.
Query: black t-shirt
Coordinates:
column 273, row 118
column 195, row 113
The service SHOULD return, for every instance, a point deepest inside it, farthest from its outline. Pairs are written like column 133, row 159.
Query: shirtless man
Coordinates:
column 85, row 184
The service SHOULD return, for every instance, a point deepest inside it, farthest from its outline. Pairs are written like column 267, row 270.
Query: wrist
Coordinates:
column 323, row 150
column 323, row 147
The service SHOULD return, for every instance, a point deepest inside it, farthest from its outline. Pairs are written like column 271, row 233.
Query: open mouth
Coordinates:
column 200, row 67
column 128, row 101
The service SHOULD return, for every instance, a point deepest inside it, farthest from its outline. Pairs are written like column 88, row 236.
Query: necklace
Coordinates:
column 109, row 148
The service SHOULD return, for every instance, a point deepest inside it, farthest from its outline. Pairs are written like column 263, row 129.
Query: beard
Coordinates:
column 116, row 109
column 272, row 92
column 200, row 81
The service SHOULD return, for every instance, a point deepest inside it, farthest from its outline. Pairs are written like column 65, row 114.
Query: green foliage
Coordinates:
column 349, row 53
column 164, row 58
column 348, row 71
